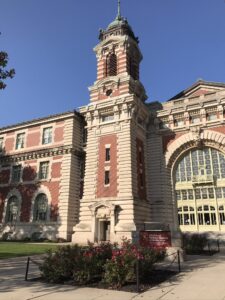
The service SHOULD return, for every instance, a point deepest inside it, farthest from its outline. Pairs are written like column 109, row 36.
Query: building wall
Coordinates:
column 62, row 185
column 173, row 133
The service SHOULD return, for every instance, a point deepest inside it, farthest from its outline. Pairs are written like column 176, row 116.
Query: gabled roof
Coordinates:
column 200, row 87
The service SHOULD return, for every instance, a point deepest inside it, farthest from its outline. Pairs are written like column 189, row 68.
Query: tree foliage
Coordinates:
column 4, row 73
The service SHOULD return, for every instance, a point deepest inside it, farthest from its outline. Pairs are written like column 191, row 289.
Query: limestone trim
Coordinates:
column 94, row 207
column 30, row 155
column 193, row 139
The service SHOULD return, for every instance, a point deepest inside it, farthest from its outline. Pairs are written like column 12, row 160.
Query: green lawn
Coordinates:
column 15, row 249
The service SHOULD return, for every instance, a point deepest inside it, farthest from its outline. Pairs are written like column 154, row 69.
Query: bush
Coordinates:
column 59, row 266
column 121, row 268
column 114, row 264
column 91, row 263
column 74, row 262
column 195, row 243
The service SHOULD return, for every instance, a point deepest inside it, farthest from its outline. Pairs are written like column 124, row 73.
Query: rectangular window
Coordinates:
column 20, row 140
column 1, row 144
column 211, row 116
column 107, row 118
column 107, row 154
column 195, row 119
column 43, row 170
column 178, row 122
column 107, row 177
column 178, row 195
column 47, row 136
column 184, row 194
column 16, row 173
column 197, row 194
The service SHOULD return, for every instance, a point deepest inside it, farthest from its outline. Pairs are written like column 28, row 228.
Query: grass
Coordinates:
column 15, row 249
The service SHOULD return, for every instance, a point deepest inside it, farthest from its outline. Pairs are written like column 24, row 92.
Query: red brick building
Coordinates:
column 37, row 190
column 147, row 165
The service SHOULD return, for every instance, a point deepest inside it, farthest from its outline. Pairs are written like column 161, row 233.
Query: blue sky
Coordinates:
column 50, row 45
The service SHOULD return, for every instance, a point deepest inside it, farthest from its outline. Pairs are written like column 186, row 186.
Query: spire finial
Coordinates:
column 119, row 11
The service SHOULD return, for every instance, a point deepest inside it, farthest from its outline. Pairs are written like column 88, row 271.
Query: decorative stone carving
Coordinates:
column 196, row 133
column 103, row 212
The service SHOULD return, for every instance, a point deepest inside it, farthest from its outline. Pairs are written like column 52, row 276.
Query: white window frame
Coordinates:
column 49, row 138
column 22, row 145
column 48, row 171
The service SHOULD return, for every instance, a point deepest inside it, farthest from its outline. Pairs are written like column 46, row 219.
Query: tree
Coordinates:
column 4, row 74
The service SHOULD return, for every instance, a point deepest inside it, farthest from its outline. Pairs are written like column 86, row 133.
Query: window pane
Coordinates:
column 107, row 177
column 12, row 209
column 20, row 141
column 47, row 135
column 16, row 173
column 184, row 194
column 43, row 171
column 107, row 118
column 40, row 208
column 107, row 154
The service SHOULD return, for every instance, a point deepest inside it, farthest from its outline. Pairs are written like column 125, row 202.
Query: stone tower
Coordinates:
column 114, row 203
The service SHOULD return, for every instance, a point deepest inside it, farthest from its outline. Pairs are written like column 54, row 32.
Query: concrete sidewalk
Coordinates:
column 203, row 278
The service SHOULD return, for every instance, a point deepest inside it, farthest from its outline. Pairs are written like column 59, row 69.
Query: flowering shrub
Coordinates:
column 58, row 266
column 74, row 262
column 121, row 268
column 110, row 262
column 91, row 263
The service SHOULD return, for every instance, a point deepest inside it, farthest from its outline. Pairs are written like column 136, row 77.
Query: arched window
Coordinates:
column 200, row 183
column 40, row 208
column 186, row 215
column 201, row 164
column 12, row 210
column 111, row 65
column 207, row 215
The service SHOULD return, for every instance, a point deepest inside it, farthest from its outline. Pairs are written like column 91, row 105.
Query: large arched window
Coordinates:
column 111, row 65
column 200, row 189
column 12, row 210
column 40, row 208
column 200, row 163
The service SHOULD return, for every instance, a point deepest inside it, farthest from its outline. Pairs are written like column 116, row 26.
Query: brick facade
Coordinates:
column 29, row 184
column 103, row 165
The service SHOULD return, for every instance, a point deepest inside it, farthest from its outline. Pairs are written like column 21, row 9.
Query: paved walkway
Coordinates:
column 203, row 278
